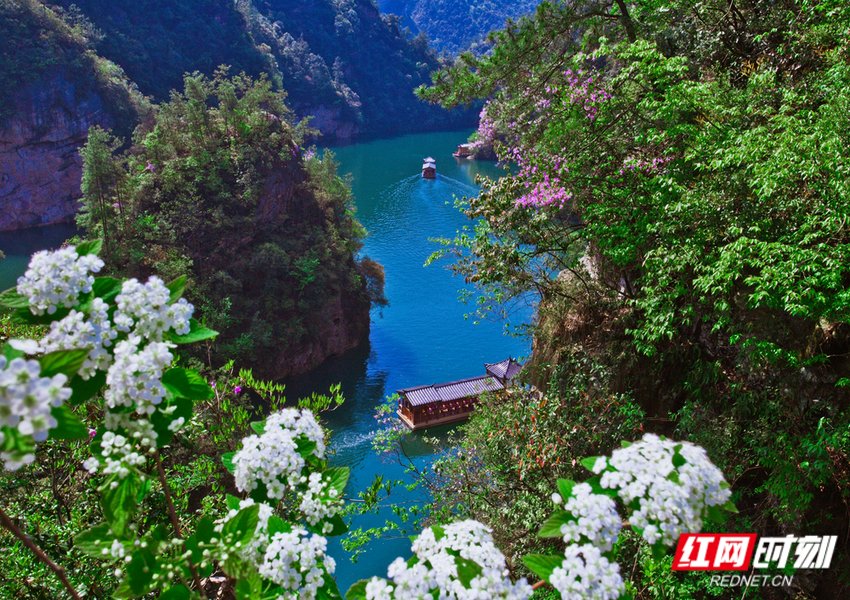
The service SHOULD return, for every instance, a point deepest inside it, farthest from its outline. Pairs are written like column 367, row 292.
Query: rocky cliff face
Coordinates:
column 343, row 324
column 40, row 165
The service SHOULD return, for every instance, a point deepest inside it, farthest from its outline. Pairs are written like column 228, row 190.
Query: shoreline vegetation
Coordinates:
column 678, row 206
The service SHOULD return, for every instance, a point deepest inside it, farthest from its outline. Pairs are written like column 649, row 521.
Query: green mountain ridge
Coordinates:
column 340, row 61
column 456, row 25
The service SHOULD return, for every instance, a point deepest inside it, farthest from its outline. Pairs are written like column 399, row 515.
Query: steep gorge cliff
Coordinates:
column 52, row 89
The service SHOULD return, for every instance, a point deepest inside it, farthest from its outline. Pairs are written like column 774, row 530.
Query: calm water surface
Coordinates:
column 19, row 245
column 422, row 337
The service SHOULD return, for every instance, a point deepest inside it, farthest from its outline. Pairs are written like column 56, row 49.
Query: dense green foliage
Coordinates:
column 454, row 26
column 36, row 42
column 156, row 42
column 680, row 206
column 516, row 446
column 219, row 188
column 337, row 60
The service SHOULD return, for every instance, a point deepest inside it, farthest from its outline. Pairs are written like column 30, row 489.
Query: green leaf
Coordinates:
column 94, row 540
column 67, row 362
column 337, row 478
column 588, row 462
column 305, row 447
column 89, row 247
column 106, row 288
column 596, row 487
column 565, row 488
column 68, row 425
column 232, row 502
column 12, row 299
column 204, row 532
column 11, row 353
column 242, row 526
column 542, row 565
column 678, row 460
column 551, row 527
column 175, row 407
column 329, row 589
column 178, row 592
column 227, row 461
column 176, row 287
column 259, row 427
column 119, row 502
column 439, row 532
column 467, row 570
column 144, row 488
column 197, row 333
column 123, row 591
column 730, row 507
column 278, row 525
column 83, row 390
column 357, row 591
column 247, row 589
column 187, row 383
column 338, row 527
column 23, row 316
column 140, row 571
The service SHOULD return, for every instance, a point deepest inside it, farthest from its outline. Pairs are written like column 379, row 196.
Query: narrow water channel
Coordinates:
column 424, row 335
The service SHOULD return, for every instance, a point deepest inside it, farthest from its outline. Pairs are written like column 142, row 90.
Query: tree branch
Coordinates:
column 42, row 556
column 175, row 522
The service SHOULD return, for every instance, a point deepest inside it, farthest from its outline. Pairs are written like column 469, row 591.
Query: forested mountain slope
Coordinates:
column 455, row 25
column 339, row 60
column 52, row 89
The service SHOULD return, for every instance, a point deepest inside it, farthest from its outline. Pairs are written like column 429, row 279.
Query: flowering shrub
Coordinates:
column 27, row 404
column 673, row 484
column 667, row 488
column 456, row 561
column 117, row 340
column 56, row 279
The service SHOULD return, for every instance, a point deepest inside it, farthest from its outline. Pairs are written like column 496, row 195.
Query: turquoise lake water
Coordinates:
column 422, row 337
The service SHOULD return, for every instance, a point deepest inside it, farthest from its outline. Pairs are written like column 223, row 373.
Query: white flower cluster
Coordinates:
column 144, row 309
column 297, row 561
column 56, row 279
column 436, row 568
column 253, row 551
column 140, row 430
column 318, row 502
column 118, row 454
column 596, row 518
column 585, row 573
column 135, row 378
column 672, row 500
column 26, row 400
column 272, row 458
column 75, row 332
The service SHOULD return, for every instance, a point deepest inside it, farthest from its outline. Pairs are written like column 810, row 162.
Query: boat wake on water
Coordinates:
column 442, row 189
column 466, row 188
column 347, row 440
